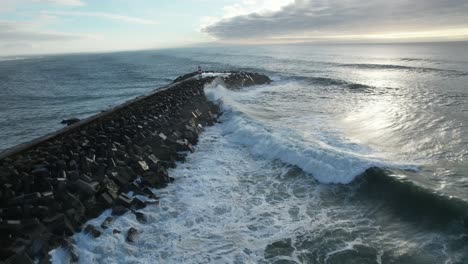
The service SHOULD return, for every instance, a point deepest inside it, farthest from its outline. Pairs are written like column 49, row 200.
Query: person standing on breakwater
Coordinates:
column 199, row 72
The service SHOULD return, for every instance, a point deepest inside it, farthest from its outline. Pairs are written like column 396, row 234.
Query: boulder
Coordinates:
column 132, row 235
column 69, row 245
column 119, row 210
column 85, row 189
column 137, row 204
column 92, row 230
column 141, row 217
column 70, row 121
column 21, row 258
column 107, row 222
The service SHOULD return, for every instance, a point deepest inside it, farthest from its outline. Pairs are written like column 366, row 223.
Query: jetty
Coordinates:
column 51, row 186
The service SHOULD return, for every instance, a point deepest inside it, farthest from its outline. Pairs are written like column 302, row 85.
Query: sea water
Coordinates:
column 280, row 179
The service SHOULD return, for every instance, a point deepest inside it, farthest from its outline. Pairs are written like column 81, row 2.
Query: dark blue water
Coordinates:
column 37, row 93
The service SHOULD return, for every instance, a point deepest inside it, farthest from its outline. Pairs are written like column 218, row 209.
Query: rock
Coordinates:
column 106, row 199
column 84, row 189
column 119, row 210
column 137, row 204
column 107, row 222
column 143, row 166
column 31, row 211
column 93, row 208
column 70, row 121
column 33, row 228
column 109, row 186
column 42, row 172
column 141, row 217
column 121, row 175
column 73, row 175
column 39, row 248
column 21, row 258
column 10, row 212
column 59, row 224
column 153, row 159
column 31, row 198
column 124, row 200
column 92, row 230
column 148, row 192
column 116, row 231
column 68, row 244
column 132, row 235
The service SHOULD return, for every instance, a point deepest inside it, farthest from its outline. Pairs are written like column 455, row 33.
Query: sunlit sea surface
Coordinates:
column 280, row 180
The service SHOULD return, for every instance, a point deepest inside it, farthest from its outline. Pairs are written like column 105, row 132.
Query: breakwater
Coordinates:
column 51, row 186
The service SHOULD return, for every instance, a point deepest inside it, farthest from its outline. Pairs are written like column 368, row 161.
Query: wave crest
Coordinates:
column 327, row 164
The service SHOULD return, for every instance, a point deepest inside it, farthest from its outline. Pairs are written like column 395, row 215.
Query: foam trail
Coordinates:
column 328, row 164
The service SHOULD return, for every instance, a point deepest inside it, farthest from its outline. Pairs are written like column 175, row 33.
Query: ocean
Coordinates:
column 354, row 154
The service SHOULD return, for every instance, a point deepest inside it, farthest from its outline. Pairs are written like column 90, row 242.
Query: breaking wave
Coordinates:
column 327, row 164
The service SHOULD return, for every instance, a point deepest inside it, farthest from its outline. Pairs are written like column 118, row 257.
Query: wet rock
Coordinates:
column 132, row 235
column 92, row 230
column 106, row 199
column 93, row 207
column 124, row 200
column 137, row 204
column 107, row 222
column 69, row 245
column 38, row 248
column 70, row 121
column 108, row 185
column 59, row 224
column 141, row 217
column 119, row 210
column 148, row 192
column 116, row 231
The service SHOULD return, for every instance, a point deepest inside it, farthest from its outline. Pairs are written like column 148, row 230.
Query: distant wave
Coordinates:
column 402, row 67
column 331, row 81
column 10, row 58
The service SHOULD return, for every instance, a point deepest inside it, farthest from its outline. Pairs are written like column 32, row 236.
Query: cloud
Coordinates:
column 321, row 18
column 62, row 2
column 12, row 5
column 11, row 32
column 110, row 16
column 244, row 8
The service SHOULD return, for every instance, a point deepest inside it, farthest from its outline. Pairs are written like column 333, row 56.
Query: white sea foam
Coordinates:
column 224, row 207
column 335, row 162
column 228, row 206
column 215, row 74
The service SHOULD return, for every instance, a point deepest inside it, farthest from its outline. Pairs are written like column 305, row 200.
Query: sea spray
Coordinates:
column 328, row 164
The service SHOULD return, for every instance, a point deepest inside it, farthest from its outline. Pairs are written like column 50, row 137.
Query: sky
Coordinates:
column 62, row 26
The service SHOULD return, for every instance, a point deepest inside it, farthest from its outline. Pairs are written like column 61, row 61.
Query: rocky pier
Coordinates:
column 51, row 186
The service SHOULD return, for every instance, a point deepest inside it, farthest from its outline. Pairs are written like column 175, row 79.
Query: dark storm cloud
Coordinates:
column 322, row 17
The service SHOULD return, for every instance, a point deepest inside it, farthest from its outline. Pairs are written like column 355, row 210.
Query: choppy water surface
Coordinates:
column 280, row 180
